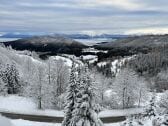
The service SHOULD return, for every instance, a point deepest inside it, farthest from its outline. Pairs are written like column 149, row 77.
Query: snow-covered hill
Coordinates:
column 48, row 45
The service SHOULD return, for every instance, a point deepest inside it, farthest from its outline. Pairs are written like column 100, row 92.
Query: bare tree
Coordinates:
column 129, row 88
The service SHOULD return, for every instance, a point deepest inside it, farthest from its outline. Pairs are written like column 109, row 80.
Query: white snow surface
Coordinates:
column 116, row 64
column 5, row 122
column 22, row 105
column 93, row 50
column 20, row 122
column 89, row 57
column 93, row 60
column 120, row 112
column 101, row 64
column 67, row 61
column 16, row 103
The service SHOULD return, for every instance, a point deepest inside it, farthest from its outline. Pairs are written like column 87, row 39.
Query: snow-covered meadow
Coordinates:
column 23, row 105
column 19, row 122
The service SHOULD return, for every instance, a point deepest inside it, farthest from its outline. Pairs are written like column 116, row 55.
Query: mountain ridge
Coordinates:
column 48, row 45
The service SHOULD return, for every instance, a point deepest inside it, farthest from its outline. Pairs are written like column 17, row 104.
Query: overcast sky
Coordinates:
column 84, row 16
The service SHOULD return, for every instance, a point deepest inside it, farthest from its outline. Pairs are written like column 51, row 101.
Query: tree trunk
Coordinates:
column 39, row 103
column 123, row 98
column 139, row 101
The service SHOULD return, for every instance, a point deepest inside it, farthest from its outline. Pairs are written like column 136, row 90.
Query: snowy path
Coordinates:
column 51, row 119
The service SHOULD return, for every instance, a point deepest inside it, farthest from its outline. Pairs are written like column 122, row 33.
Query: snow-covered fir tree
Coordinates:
column 3, row 88
column 3, row 85
column 11, row 77
column 71, row 97
column 84, row 113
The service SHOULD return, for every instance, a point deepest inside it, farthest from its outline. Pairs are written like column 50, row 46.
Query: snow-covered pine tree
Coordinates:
column 11, row 77
column 71, row 97
column 150, row 110
column 84, row 113
column 3, row 87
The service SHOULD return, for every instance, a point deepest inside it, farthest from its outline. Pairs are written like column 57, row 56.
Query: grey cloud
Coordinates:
column 70, row 16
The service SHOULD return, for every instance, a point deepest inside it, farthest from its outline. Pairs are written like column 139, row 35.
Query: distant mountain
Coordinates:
column 15, row 35
column 84, row 36
column 48, row 45
column 137, row 41
column 133, row 45
column 73, row 36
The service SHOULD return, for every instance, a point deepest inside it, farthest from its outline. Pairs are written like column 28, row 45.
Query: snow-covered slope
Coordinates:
column 93, row 50
column 20, row 122
column 16, row 103
column 67, row 61
column 120, row 112
column 116, row 64
column 22, row 105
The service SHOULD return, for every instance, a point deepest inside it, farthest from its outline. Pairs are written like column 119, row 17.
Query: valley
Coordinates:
column 83, row 63
column 44, row 64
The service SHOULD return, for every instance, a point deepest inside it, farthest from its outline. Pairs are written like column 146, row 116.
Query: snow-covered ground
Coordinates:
column 89, row 57
column 116, row 64
column 22, row 105
column 21, row 122
column 120, row 112
column 101, row 64
column 93, row 50
column 5, row 122
column 22, row 56
column 17, row 104
column 67, row 61
column 30, row 123
column 93, row 41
